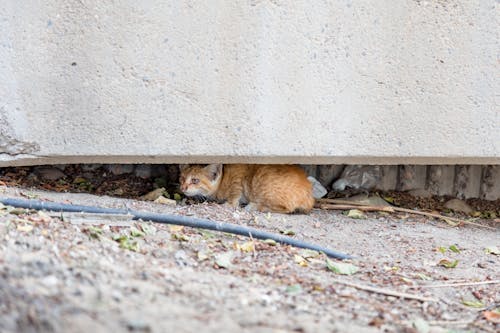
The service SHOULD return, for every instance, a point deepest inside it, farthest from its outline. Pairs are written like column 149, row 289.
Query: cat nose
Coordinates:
column 183, row 188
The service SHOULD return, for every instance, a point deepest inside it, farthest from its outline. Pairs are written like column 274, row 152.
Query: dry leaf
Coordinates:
column 300, row 260
column 165, row 201
column 153, row 195
column 176, row 228
column 356, row 214
column 248, row 246
column 492, row 316
column 448, row 264
column 24, row 228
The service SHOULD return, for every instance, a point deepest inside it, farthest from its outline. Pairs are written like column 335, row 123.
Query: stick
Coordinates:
column 387, row 292
column 363, row 208
column 358, row 205
column 441, row 322
column 458, row 284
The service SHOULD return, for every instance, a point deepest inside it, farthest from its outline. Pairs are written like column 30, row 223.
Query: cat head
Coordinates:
column 201, row 180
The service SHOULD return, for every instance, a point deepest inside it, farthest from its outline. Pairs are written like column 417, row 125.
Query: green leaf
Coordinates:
column 424, row 277
column 177, row 197
column 341, row 267
column 448, row 264
column 271, row 242
column 488, row 214
column 79, row 180
column 134, row 232
column 492, row 250
column 454, row 248
column 389, row 199
column 148, row 229
column 473, row 304
column 207, row 234
column 94, row 232
column 356, row 214
column 442, row 249
column 161, row 182
column 306, row 253
column 294, row 289
column 130, row 245
column 180, row 237
column 126, row 242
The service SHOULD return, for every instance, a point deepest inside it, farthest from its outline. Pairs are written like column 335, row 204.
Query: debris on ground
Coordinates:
column 412, row 273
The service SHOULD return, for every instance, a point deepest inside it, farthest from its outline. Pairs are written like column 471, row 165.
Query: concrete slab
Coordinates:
column 365, row 82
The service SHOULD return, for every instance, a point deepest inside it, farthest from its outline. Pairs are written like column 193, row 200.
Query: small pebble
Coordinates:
column 120, row 169
column 49, row 173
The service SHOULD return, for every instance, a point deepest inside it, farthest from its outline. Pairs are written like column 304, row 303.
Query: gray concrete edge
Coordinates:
column 26, row 160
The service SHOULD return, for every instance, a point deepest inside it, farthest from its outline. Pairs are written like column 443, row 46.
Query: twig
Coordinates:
column 363, row 208
column 441, row 322
column 387, row 292
column 336, row 203
column 457, row 284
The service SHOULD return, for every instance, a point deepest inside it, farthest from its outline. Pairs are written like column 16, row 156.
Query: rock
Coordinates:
column 327, row 173
column 138, row 325
column 458, row 205
column 91, row 167
column 119, row 169
column 49, row 173
column 50, row 281
column 358, row 177
column 420, row 193
column 143, row 171
column 368, row 200
column 158, row 170
column 181, row 258
column 310, row 169
column 319, row 191
column 172, row 172
column 151, row 171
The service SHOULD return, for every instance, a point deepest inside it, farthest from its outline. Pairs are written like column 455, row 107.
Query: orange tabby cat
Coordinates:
column 268, row 188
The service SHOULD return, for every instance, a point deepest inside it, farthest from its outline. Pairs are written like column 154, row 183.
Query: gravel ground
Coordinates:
column 58, row 274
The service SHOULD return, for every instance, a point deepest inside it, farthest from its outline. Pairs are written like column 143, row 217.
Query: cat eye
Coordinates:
column 195, row 180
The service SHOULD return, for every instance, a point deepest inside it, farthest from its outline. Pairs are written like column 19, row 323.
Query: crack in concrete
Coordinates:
column 9, row 144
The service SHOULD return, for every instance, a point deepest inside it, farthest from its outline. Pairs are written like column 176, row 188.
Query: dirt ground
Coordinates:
column 59, row 275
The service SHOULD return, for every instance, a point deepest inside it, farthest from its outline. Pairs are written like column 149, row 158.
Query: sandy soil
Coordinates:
column 58, row 275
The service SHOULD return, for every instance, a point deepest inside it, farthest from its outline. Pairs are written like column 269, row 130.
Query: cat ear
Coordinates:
column 183, row 167
column 214, row 171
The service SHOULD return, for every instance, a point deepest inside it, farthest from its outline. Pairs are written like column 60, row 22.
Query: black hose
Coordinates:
column 173, row 219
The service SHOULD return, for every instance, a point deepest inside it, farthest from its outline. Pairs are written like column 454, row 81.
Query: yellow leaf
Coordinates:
column 300, row 260
column 176, row 228
column 247, row 247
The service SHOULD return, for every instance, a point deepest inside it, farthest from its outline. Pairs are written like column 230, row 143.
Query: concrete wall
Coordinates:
column 372, row 82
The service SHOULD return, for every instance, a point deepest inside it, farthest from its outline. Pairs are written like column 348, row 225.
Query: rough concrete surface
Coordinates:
column 374, row 82
column 62, row 276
